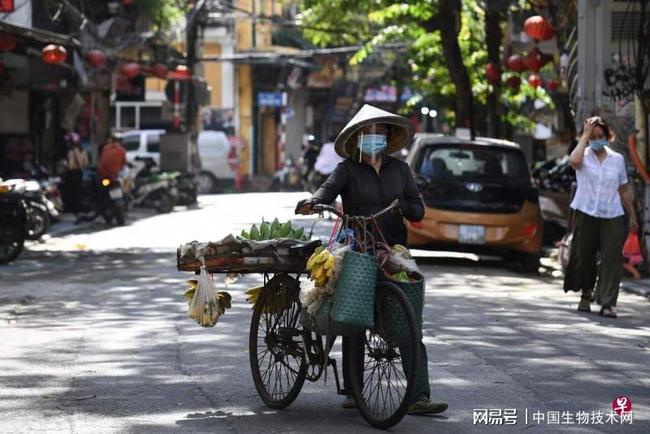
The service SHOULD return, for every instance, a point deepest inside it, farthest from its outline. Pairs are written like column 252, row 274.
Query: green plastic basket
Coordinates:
column 354, row 297
column 395, row 317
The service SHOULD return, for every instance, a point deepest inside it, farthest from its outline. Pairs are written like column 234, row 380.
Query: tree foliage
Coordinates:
column 163, row 13
column 371, row 23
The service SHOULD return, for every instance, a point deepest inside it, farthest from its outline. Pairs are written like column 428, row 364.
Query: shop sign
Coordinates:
column 271, row 99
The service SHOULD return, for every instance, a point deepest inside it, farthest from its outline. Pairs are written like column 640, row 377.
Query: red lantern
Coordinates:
column 493, row 73
column 159, row 70
column 535, row 60
column 127, row 2
column 96, row 58
column 516, row 63
column 514, row 82
column 54, row 54
column 181, row 73
column 7, row 6
column 130, row 70
column 7, row 41
column 534, row 80
column 538, row 28
column 552, row 84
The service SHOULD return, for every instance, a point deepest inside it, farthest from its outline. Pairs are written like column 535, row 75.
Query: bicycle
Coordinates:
column 284, row 353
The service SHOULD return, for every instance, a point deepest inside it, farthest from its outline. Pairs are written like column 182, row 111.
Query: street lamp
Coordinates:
column 424, row 111
column 433, row 113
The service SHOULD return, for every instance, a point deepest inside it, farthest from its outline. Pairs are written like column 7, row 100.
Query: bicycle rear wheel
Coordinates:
column 277, row 356
column 384, row 380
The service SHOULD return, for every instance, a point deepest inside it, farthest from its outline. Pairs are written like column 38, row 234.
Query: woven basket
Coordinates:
column 397, row 325
column 322, row 323
column 354, row 297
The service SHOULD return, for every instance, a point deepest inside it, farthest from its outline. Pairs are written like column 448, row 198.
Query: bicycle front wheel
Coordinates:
column 383, row 380
column 277, row 355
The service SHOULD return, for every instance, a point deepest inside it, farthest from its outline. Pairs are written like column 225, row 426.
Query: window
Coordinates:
column 153, row 143
column 131, row 143
column 472, row 162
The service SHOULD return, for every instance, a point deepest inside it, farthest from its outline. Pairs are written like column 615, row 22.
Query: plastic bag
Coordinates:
column 632, row 249
column 204, row 307
column 400, row 259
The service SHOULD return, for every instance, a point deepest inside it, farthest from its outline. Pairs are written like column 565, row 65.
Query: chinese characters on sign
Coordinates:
column 510, row 416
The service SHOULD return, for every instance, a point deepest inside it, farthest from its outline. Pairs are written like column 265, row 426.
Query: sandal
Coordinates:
column 585, row 304
column 607, row 312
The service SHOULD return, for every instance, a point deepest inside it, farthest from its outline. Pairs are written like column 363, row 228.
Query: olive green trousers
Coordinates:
column 591, row 236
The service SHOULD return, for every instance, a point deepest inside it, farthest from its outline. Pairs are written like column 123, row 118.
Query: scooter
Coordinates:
column 35, row 204
column 13, row 224
column 150, row 189
column 111, row 201
column 53, row 199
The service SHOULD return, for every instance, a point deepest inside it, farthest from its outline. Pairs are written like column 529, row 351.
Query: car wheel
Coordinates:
column 206, row 183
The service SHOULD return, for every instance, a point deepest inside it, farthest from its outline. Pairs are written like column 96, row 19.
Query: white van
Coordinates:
column 141, row 143
column 214, row 150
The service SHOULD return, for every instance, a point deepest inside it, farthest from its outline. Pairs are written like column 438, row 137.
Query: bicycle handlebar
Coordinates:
column 319, row 208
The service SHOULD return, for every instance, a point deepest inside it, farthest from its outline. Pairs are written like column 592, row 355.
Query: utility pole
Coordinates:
column 192, row 32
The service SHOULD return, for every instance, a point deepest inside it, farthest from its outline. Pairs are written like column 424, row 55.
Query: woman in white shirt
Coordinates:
column 602, row 192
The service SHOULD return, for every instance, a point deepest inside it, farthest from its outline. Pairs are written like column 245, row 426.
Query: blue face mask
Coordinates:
column 597, row 145
column 372, row 144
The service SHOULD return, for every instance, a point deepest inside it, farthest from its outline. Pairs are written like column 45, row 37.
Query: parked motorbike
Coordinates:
column 187, row 187
column 53, row 197
column 152, row 189
column 111, row 201
column 35, row 203
column 13, row 224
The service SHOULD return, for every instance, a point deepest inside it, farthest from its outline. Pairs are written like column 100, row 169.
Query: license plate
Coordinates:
column 116, row 193
column 471, row 234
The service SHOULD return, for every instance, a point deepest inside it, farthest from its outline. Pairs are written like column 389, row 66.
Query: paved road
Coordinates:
column 95, row 338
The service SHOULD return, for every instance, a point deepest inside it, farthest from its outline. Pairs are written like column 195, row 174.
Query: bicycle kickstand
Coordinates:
column 332, row 362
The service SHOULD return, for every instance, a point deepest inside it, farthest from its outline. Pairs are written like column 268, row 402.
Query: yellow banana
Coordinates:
column 322, row 256
column 253, row 294
column 329, row 262
column 320, row 273
column 311, row 261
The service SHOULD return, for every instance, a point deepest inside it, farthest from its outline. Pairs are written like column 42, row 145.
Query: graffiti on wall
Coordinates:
column 619, row 82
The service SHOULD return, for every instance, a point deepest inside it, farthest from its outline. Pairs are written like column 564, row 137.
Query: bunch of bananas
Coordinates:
column 211, row 313
column 275, row 304
column 320, row 266
column 253, row 294
column 273, row 230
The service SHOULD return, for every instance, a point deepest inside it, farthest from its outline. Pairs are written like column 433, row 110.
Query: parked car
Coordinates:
column 214, row 149
column 141, row 143
column 479, row 197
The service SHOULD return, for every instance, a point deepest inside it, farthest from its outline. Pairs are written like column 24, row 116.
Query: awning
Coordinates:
column 39, row 35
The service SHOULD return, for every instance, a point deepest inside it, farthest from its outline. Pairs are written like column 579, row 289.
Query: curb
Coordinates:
column 642, row 289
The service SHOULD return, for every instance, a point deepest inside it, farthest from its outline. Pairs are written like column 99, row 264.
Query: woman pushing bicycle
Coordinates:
column 368, row 181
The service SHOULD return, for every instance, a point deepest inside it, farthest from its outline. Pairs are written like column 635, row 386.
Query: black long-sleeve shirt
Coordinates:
column 365, row 192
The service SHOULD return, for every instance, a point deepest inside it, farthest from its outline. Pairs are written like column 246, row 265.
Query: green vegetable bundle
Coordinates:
column 273, row 230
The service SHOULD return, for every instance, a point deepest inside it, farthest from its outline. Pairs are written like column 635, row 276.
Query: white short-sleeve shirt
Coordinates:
column 597, row 194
